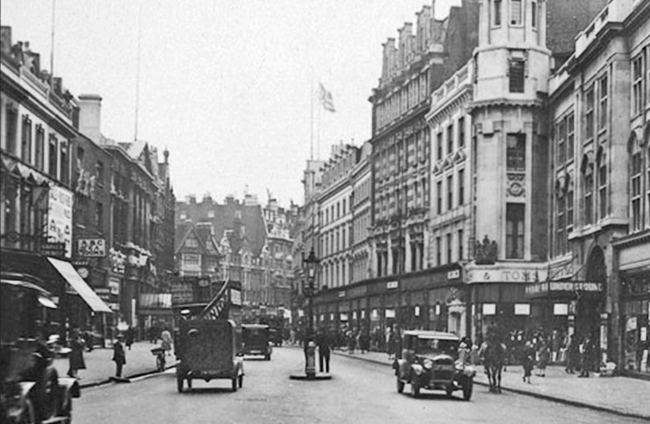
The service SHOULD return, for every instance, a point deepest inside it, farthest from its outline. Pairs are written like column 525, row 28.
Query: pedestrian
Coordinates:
column 76, row 358
column 543, row 355
column 129, row 337
column 528, row 361
column 119, row 356
column 390, row 342
column 463, row 351
column 166, row 338
column 352, row 341
column 364, row 341
column 570, row 354
column 586, row 350
column 324, row 347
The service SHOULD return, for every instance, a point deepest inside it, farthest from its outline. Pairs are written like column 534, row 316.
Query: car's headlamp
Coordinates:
column 427, row 364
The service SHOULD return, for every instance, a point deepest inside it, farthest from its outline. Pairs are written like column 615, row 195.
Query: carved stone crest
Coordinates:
column 485, row 253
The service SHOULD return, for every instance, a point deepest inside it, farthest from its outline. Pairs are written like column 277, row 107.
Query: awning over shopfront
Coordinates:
column 69, row 274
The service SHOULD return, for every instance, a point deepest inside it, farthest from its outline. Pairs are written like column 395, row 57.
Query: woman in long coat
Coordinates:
column 544, row 356
column 77, row 346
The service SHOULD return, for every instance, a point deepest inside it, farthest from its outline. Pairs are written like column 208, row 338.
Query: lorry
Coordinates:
column 31, row 391
column 208, row 337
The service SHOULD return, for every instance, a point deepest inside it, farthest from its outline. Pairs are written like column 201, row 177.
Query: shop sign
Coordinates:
column 113, row 305
column 489, row 309
column 343, row 316
column 560, row 309
column 59, row 217
column 235, row 297
column 104, row 293
column 91, row 248
column 53, row 250
column 392, row 284
column 452, row 275
column 342, row 293
column 390, row 313
column 547, row 287
column 517, row 275
column 522, row 309
column 114, row 286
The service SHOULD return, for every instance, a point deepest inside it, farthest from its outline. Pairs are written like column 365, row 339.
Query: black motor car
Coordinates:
column 31, row 390
column 430, row 361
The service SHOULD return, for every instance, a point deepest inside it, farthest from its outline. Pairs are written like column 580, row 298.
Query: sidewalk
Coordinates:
column 100, row 367
column 620, row 395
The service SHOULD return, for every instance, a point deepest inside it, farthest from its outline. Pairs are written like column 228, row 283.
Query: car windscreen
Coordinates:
column 436, row 346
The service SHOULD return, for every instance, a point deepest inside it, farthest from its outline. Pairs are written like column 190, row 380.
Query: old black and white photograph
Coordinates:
column 335, row 211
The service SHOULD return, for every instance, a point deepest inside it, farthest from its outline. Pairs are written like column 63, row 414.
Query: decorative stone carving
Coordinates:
column 485, row 253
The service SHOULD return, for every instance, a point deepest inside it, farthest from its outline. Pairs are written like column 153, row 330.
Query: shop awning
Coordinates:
column 69, row 274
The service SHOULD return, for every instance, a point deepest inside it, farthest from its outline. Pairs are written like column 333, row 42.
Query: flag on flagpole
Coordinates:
column 326, row 99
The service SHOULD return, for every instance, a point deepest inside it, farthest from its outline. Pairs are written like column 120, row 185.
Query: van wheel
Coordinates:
column 234, row 384
column 28, row 416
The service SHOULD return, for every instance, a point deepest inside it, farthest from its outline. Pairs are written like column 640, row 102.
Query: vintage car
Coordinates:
column 257, row 340
column 430, row 361
column 207, row 349
column 31, row 390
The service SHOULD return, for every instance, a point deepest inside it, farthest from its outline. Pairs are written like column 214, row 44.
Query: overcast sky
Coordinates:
column 224, row 85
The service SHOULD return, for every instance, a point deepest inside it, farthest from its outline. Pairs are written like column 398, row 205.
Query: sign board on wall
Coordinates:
column 522, row 309
column 560, row 309
column 91, row 248
column 59, row 217
column 489, row 309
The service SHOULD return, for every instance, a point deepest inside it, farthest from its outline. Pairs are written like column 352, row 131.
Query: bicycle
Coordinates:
column 159, row 353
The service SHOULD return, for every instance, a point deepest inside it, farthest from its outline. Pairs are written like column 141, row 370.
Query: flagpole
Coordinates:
column 318, row 130
column 311, row 121
column 137, row 77
column 52, row 50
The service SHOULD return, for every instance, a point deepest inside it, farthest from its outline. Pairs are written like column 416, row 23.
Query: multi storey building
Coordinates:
column 361, row 265
column 44, row 217
column 599, row 108
column 197, row 251
column 140, row 240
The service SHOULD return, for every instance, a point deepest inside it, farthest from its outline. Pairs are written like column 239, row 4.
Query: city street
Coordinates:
column 360, row 392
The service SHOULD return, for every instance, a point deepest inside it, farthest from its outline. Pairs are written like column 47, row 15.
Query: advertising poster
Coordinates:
column 91, row 248
column 59, row 217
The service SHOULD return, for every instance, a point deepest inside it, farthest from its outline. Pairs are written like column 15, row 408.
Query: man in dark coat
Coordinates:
column 324, row 347
column 119, row 356
column 76, row 358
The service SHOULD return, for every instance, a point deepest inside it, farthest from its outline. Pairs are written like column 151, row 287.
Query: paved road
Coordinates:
column 360, row 392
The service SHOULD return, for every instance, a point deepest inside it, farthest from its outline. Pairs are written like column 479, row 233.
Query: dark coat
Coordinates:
column 323, row 343
column 118, row 353
column 77, row 346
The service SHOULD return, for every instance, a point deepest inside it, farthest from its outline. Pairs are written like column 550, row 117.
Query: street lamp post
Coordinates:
column 311, row 263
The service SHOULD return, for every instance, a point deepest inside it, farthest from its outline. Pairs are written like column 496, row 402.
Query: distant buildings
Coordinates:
column 253, row 246
column 79, row 209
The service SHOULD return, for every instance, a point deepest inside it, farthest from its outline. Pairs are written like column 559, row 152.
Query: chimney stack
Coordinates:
column 90, row 113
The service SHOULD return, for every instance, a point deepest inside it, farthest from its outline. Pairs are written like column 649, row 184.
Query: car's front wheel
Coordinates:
column 467, row 389
column 400, row 385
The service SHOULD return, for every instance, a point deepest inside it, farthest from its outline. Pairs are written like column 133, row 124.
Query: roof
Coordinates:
column 432, row 335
